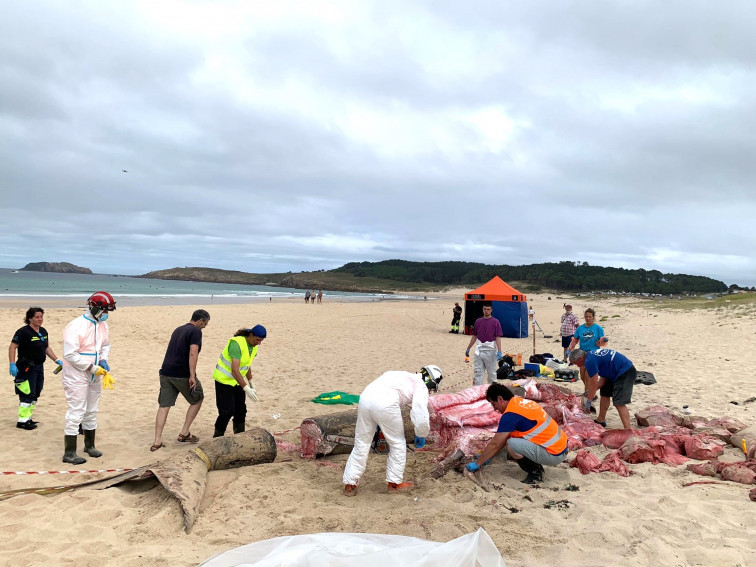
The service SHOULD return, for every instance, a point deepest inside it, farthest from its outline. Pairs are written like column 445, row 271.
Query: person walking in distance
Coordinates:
column 456, row 318
column 178, row 375
column 567, row 328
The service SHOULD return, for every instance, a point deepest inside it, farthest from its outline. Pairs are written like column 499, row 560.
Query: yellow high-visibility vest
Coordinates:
column 222, row 372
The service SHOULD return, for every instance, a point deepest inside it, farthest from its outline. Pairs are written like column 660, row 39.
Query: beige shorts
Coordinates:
column 171, row 387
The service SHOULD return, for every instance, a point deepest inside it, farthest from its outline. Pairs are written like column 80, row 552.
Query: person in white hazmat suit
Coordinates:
column 86, row 346
column 380, row 405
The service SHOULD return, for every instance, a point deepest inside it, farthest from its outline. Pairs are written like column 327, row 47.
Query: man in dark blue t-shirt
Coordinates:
column 178, row 375
column 613, row 374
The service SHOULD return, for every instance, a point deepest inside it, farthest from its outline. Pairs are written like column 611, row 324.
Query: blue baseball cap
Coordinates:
column 259, row 331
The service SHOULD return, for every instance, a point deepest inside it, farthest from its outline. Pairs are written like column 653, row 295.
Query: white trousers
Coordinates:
column 387, row 414
column 83, row 399
column 485, row 361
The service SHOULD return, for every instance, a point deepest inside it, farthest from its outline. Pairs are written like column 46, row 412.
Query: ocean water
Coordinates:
column 62, row 289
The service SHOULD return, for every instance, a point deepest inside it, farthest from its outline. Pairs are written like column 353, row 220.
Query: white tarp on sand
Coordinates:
column 366, row 550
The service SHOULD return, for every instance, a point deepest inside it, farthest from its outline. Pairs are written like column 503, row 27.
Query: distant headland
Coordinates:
column 59, row 267
column 391, row 276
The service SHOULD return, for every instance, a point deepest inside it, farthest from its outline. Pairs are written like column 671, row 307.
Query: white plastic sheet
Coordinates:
column 366, row 550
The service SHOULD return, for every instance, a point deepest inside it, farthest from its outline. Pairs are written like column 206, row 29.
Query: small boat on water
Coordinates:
column 14, row 272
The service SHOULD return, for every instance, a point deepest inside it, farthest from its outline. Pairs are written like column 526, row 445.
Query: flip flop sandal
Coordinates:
column 188, row 438
column 156, row 447
column 601, row 423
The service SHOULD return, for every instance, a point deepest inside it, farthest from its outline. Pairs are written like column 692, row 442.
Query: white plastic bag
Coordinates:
column 555, row 364
column 531, row 389
column 366, row 550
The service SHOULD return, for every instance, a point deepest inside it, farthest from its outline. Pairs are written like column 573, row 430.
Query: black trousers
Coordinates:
column 36, row 376
column 231, row 402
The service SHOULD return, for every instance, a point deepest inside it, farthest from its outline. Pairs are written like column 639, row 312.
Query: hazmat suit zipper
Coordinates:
column 93, row 375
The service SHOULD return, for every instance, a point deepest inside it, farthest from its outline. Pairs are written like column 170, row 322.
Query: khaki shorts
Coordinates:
column 171, row 387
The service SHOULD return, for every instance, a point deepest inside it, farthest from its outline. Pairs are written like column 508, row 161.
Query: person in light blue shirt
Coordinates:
column 590, row 337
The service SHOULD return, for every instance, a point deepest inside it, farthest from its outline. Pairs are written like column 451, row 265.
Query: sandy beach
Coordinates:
column 699, row 357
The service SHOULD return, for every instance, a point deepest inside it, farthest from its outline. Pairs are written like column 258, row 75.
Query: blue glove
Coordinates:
column 472, row 467
column 498, row 355
column 467, row 352
column 13, row 369
column 104, row 364
column 59, row 362
column 419, row 442
column 567, row 354
column 587, row 405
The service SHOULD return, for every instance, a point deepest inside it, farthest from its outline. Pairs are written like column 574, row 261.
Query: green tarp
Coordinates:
column 332, row 398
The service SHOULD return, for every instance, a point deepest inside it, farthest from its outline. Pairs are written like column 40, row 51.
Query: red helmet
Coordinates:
column 102, row 300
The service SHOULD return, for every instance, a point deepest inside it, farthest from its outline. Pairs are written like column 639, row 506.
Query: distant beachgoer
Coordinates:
column 456, row 317
column 233, row 378
column 568, row 327
column 313, row 296
column 320, row 296
column 531, row 313
column 307, row 296
column 86, row 346
column 591, row 337
column 487, row 340
column 178, row 375
column 28, row 372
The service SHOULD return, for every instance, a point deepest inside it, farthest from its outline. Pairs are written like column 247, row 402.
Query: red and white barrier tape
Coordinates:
column 63, row 472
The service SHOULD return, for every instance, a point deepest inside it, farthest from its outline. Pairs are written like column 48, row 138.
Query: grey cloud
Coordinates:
column 632, row 143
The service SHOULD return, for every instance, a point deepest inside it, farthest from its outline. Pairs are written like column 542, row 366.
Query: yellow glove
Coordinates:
column 108, row 381
column 99, row 371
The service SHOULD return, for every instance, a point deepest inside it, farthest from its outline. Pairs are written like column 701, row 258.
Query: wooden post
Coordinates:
column 534, row 347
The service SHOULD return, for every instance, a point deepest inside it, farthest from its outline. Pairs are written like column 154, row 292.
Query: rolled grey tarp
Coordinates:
column 185, row 475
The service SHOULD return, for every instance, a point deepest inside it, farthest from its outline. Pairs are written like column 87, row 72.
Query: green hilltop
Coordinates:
column 403, row 275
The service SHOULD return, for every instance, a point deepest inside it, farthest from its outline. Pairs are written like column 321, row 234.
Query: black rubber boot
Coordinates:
column 70, row 455
column 89, row 443
column 534, row 470
column 239, row 428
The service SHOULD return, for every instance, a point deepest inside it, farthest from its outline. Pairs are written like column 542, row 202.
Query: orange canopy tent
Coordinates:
column 509, row 307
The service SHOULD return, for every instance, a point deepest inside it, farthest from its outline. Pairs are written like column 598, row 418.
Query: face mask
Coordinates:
column 103, row 318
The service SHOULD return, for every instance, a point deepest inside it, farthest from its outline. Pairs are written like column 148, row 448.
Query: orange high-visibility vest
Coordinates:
column 546, row 431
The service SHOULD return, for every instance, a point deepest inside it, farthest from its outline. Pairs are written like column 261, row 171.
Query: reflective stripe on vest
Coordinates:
column 546, row 432
column 222, row 372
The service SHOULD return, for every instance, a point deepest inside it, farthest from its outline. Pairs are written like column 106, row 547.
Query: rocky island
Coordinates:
column 59, row 267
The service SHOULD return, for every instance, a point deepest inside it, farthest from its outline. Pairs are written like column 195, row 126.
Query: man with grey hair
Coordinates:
column 613, row 374
column 178, row 375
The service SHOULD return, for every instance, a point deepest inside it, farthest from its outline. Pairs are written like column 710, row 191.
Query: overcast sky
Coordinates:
column 270, row 136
